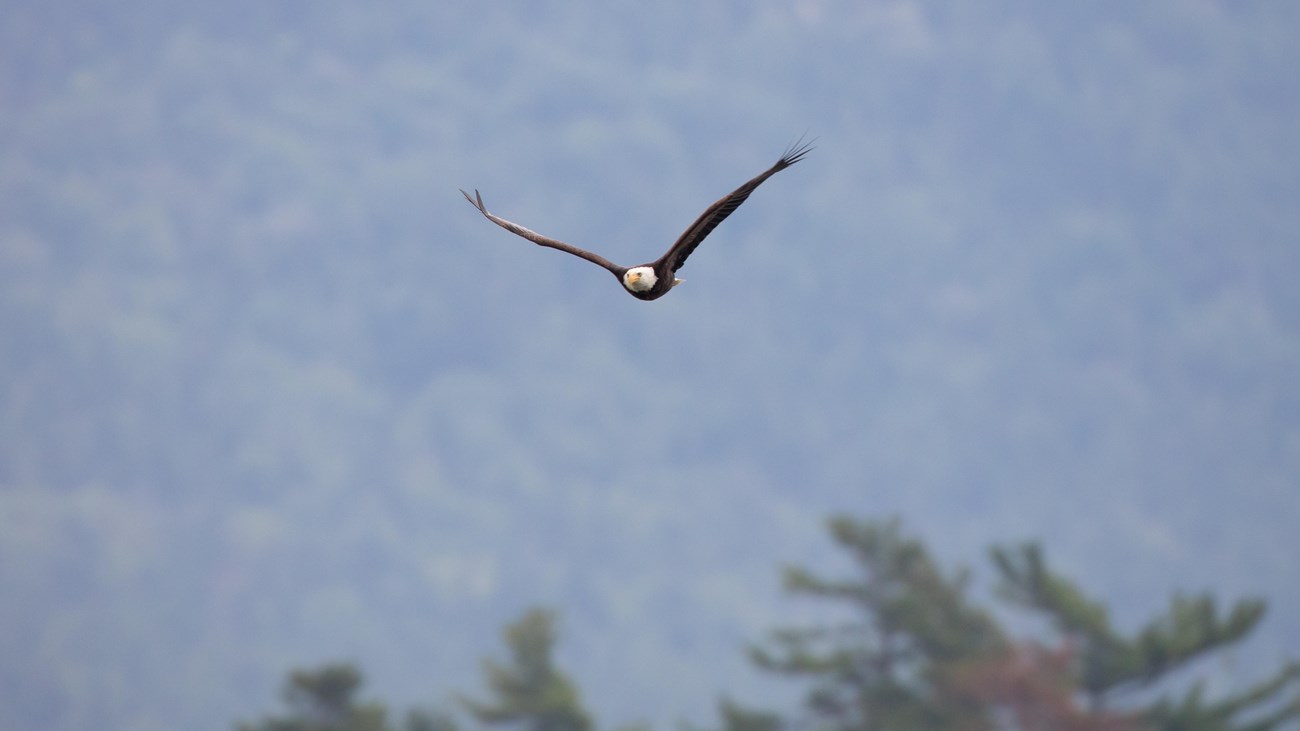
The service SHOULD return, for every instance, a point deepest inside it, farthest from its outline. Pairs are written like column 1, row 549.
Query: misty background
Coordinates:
column 273, row 393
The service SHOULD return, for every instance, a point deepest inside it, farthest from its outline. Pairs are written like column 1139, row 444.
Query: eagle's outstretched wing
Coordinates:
column 541, row 240
column 718, row 212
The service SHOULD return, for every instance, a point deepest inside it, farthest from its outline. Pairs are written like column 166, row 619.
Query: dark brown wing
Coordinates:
column 719, row 211
column 537, row 238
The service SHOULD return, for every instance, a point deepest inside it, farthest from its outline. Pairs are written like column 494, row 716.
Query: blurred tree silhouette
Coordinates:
column 916, row 653
column 919, row 654
column 324, row 700
column 890, row 670
column 529, row 692
column 1106, row 664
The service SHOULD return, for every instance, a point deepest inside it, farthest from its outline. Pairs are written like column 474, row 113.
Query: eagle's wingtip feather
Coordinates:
column 796, row 151
column 476, row 201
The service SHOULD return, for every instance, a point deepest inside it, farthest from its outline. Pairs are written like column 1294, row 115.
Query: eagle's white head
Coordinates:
column 640, row 279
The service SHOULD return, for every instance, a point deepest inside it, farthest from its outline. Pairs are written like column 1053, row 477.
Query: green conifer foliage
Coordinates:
column 917, row 653
column 528, row 692
column 324, row 700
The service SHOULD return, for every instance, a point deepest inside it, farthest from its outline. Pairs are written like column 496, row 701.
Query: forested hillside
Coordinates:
column 272, row 392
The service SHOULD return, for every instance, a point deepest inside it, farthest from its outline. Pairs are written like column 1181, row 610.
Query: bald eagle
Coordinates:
column 653, row 280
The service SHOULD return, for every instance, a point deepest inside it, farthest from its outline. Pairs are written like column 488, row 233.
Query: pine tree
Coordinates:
column 883, row 669
column 1109, row 663
column 736, row 717
column 324, row 700
column 916, row 653
column 529, row 692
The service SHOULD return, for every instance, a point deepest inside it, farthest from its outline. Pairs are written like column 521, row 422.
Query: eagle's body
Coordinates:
column 652, row 280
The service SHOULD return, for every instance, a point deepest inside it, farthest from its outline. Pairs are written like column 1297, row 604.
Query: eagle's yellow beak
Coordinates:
column 634, row 277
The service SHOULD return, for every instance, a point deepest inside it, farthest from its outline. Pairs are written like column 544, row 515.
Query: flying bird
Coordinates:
column 653, row 280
